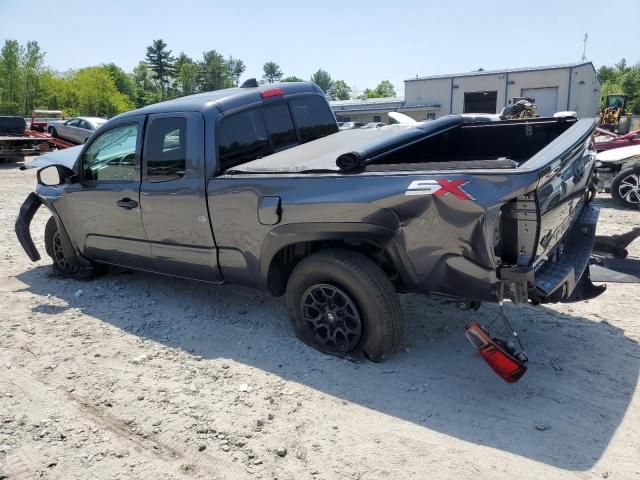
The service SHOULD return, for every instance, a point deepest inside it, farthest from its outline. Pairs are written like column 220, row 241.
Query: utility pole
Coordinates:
column 584, row 47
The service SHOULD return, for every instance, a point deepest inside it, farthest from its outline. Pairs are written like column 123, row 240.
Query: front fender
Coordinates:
column 23, row 228
column 23, row 225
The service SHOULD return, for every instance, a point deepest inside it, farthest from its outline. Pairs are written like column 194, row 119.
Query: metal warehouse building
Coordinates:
column 554, row 88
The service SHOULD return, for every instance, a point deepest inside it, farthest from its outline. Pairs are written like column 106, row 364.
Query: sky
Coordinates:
column 361, row 42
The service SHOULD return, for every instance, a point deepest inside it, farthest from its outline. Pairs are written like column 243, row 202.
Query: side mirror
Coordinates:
column 54, row 175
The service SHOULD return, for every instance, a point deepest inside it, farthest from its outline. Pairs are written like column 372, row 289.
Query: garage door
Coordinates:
column 480, row 102
column 546, row 99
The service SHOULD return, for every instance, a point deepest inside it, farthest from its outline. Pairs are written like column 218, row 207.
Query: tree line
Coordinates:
column 27, row 83
column 621, row 78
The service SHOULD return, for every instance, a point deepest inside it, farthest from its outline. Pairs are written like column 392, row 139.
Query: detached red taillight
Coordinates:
column 274, row 92
column 507, row 366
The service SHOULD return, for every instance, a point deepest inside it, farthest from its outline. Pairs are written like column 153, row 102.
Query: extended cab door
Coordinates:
column 173, row 197
column 101, row 212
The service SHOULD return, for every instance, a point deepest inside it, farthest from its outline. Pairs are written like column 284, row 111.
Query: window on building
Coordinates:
column 431, row 116
column 377, row 118
column 165, row 152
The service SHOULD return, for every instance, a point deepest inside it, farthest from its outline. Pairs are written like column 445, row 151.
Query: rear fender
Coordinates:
column 387, row 238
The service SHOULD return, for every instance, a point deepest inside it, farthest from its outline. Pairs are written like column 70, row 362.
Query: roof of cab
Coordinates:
column 223, row 100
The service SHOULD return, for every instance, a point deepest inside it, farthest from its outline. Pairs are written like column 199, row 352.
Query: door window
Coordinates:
column 165, row 152
column 112, row 155
column 73, row 123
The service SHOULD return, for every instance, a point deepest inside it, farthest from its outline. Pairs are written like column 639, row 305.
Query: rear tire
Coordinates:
column 340, row 302
column 62, row 265
column 625, row 188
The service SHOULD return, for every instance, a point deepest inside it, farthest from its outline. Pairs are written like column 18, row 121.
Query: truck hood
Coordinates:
column 336, row 152
column 618, row 154
column 66, row 157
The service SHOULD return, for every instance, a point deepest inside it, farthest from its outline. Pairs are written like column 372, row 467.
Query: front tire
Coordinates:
column 54, row 132
column 61, row 264
column 340, row 302
column 625, row 188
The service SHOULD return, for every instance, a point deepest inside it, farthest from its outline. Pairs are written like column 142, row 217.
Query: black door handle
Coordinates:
column 127, row 203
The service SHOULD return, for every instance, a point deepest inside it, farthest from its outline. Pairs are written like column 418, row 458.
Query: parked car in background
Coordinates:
column 41, row 118
column 375, row 125
column 351, row 125
column 618, row 171
column 76, row 129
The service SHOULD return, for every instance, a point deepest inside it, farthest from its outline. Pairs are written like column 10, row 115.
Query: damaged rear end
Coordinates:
column 545, row 237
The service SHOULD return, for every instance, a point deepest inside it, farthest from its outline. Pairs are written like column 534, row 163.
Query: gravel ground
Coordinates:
column 134, row 376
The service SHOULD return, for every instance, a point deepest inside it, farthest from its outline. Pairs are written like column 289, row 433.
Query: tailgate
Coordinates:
column 552, row 252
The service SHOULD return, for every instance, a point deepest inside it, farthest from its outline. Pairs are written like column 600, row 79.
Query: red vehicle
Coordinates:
column 606, row 140
column 40, row 119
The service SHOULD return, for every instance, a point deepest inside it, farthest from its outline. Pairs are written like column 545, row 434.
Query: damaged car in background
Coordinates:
column 618, row 171
column 256, row 186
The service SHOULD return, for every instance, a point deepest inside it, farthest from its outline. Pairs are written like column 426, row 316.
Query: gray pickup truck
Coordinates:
column 255, row 185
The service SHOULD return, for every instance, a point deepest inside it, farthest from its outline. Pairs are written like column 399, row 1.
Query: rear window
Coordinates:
column 313, row 118
column 260, row 131
column 280, row 126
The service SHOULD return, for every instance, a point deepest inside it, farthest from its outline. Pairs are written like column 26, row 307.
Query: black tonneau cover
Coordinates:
column 359, row 146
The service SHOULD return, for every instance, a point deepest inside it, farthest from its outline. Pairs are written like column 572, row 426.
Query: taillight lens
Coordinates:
column 509, row 368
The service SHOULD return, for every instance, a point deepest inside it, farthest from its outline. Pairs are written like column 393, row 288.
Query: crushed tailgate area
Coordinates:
column 135, row 376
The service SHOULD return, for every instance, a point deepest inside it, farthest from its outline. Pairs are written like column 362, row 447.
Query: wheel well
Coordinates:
column 286, row 259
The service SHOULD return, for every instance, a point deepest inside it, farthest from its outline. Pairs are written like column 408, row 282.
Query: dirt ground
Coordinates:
column 134, row 376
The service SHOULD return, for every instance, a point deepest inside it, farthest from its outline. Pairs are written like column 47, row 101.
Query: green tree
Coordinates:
column 385, row 89
column 214, row 72
column 146, row 90
column 236, row 68
column 161, row 64
column 123, row 81
column 272, row 72
column 323, row 80
column 55, row 92
column 32, row 63
column 187, row 79
column 96, row 93
column 340, row 90
column 621, row 78
column 10, row 76
column 291, row 78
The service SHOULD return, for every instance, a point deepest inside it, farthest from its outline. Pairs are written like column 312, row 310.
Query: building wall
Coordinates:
column 585, row 92
column 581, row 97
column 429, row 92
column 481, row 83
column 518, row 81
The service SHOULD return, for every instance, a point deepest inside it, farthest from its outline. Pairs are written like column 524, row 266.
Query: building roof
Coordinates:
column 506, row 70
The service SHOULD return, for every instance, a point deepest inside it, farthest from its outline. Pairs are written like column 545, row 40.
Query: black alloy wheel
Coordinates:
column 331, row 317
